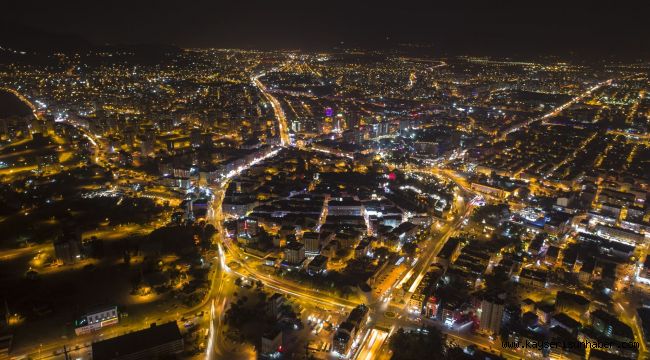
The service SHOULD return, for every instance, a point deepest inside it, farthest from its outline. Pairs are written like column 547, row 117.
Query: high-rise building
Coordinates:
column 66, row 251
column 171, row 145
column 339, row 123
column 166, row 124
column 147, row 143
column 195, row 138
column 67, row 248
column 352, row 119
column 380, row 129
column 274, row 305
column 491, row 315
column 294, row 253
column 129, row 136
column 343, row 338
column 312, row 243
column 4, row 129
column 610, row 326
column 348, row 330
column 404, row 126
column 296, row 126
column 572, row 304
column 271, row 342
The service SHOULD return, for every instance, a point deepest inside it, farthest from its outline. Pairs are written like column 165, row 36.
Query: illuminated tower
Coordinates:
column 328, row 125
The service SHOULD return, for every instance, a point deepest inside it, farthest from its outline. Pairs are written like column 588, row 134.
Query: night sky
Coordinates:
column 473, row 27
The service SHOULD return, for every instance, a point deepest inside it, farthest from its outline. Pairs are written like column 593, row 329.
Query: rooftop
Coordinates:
column 136, row 341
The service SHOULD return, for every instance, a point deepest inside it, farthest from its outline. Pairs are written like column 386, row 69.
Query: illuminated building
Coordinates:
column 318, row 265
column 294, row 253
column 97, row 319
column 348, row 330
column 271, row 342
column 274, row 305
column 312, row 242
column 491, row 315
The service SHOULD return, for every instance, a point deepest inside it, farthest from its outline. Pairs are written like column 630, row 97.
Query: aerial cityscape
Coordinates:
column 259, row 189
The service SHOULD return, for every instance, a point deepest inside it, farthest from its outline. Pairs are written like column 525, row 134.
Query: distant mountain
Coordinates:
column 27, row 45
column 28, row 39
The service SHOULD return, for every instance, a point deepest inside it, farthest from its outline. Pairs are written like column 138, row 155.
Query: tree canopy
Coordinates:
column 413, row 345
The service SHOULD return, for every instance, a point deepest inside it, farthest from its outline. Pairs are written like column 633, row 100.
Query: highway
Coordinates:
column 280, row 116
column 216, row 344
column 98, row 157
column 422, row 267
column 218, row 347
column 25, row 100
column 10, row 254
column 92, row 138
column 369, row 349
column 555, row 111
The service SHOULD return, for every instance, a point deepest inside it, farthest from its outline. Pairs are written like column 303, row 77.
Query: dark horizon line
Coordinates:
column 33, row 39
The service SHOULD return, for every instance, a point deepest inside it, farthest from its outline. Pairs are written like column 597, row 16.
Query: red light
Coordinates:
column 392, row 176
column 280, row 348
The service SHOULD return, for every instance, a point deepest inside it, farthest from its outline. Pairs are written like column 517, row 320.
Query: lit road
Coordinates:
column 92, row 138
column 555, row 111
column 442, row 240
column 248, row 268
column 483, row 344
column 217, row 347
column 10, row 254
column 627, row 314
column 369, row 349
column 98, row 156
column 25, row 100
column 283, row 128
column 431, row 251
column 641, row 137
column 286, row 286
